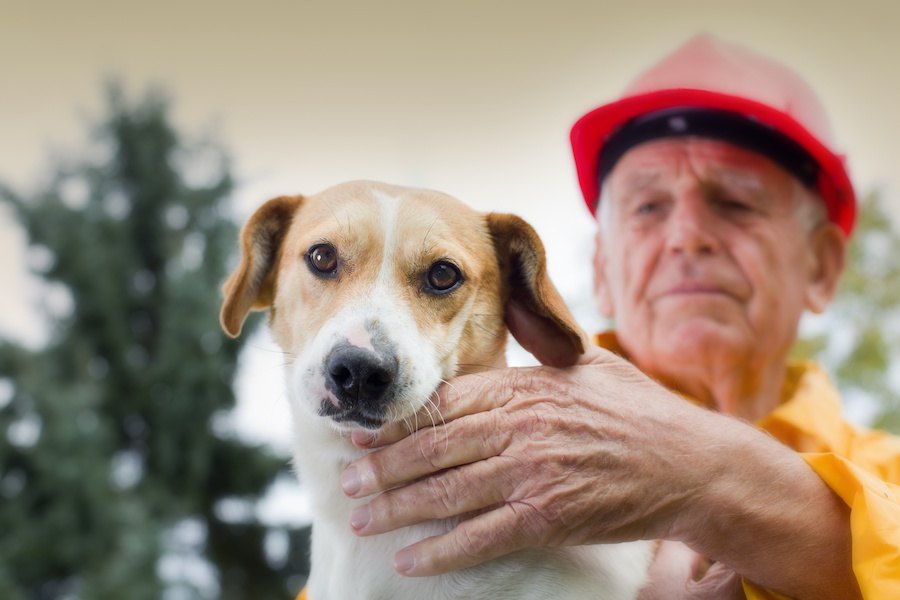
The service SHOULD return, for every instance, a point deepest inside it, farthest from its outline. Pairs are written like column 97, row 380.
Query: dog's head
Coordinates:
column 379, row 293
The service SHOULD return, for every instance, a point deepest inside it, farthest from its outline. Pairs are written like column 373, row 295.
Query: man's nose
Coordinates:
column 690, row 228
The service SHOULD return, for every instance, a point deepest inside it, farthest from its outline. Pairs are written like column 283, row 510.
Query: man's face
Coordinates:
column 704, row 255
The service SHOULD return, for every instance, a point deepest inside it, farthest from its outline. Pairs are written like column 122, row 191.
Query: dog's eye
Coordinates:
column 443, row 277
column 322, row 259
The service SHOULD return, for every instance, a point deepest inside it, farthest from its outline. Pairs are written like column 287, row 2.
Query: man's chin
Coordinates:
column 702, row 338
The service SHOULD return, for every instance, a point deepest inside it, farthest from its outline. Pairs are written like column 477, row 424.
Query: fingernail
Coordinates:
column 404, row 561
column 362, row 439
column 360, row 517
column 350, row 481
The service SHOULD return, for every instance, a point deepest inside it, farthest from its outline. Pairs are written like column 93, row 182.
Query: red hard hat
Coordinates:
column 707, row 73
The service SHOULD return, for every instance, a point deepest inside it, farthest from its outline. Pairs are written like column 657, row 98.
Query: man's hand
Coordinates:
column 598, row 453
column 540, row 457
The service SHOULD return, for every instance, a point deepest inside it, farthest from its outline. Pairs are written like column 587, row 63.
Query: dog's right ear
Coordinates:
column 252, row 285
column 536, row 314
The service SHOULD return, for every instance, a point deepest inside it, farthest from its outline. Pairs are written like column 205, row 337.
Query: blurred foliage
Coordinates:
column 861, row 347
column 114, row 478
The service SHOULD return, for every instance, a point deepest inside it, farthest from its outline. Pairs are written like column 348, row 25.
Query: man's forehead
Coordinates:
column 656, row 162
column 736, row 177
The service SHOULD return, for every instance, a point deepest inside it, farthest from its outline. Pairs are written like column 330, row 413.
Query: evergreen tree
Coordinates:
column 114, row 478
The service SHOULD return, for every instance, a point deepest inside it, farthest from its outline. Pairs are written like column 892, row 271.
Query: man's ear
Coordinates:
column 829, row 254
column 535, row 312
column 252, row 284
column 602, row 292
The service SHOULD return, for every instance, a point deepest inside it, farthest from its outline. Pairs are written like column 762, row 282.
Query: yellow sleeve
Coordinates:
column 861, row 466
column 874, row 525
column 757, row 593
column 874, row 522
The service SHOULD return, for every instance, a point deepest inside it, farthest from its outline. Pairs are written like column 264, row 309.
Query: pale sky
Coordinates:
column 471, row 98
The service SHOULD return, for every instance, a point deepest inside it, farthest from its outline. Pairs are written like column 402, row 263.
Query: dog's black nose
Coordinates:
column 360, row 378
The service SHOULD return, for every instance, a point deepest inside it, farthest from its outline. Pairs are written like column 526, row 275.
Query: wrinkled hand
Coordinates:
column 541, row 457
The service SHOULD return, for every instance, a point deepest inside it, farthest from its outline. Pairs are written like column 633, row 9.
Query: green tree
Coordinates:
column 115, row 480
column 858, row 339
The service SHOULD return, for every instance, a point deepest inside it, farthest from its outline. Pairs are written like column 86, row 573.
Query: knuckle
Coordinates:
column 432, row 444
column 517, row 382
column 534, row 420
column 472, row 542
column 443, row 492
column 534, row 524
column 387, row 508
column 498, row 423
column 380, row 470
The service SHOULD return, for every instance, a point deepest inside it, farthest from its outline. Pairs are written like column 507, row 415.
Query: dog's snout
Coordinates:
column 360, row 378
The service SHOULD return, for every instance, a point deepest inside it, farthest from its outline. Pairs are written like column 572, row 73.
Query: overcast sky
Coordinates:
column 472, row 98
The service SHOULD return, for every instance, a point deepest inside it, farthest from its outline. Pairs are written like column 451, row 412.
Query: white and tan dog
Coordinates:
column 378, row 294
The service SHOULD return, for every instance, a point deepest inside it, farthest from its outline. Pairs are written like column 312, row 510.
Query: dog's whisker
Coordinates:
column 454, row 389
column 349, row 222
column 337, row 219
column 418, row 446
column 270, row 350
column 482, row 327
column 427, row 233
column 429, row 405
column 408, row 425
column 479, row 365
column 279, row 368
column 432, row 404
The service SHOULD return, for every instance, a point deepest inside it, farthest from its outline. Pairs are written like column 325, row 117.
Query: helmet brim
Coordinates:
column 591, row 131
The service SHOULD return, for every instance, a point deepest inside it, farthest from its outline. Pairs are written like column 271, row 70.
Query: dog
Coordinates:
column 378, row 294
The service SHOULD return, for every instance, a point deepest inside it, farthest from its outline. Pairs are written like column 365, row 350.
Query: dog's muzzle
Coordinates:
column 363, row 383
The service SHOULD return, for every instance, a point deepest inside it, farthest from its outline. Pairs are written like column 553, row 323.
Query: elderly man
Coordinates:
column 722, row 216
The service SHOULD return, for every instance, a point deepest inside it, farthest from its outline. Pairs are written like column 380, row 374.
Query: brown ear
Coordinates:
column 536, row 314
column 252, row 285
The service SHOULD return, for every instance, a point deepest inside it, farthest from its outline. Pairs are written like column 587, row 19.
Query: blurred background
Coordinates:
column 144, row 455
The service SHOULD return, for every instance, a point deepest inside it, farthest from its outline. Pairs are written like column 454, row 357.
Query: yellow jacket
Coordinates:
column 862, row 467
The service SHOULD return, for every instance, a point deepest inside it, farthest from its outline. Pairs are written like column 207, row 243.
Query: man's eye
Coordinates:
column 443, row 277
column 647, row 208
column 734, row 205
column 322, row 260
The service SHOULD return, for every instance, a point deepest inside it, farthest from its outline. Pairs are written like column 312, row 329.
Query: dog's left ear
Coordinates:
column 536, row 314
column 252, row 285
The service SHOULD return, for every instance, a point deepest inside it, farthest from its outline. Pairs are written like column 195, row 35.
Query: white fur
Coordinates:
column 390, row 207
column 345, row 566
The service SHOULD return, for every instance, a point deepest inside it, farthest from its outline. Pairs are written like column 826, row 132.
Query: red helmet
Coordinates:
column 726, row 79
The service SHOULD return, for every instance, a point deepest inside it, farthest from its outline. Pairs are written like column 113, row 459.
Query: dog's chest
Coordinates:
column 349, row 567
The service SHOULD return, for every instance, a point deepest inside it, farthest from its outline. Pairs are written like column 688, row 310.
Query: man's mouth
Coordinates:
column 693, row 289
